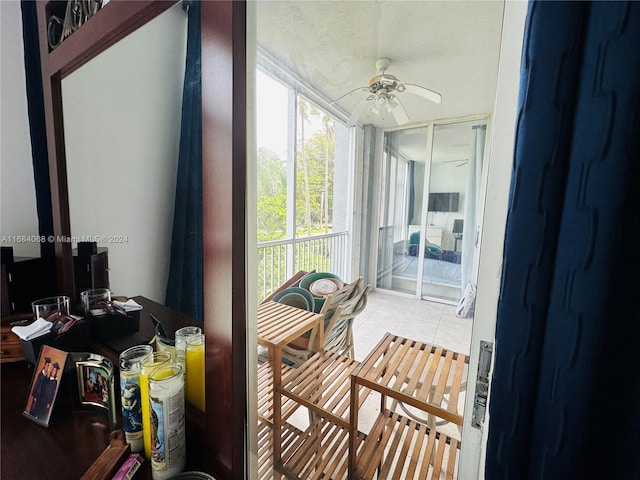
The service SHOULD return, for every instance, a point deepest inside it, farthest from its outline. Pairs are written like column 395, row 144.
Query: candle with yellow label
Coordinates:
column 146, row 366
column 194, row 359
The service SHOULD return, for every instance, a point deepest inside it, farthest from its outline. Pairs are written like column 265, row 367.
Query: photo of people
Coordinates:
column 94, row 387
column 45, row 384
column 95, row 384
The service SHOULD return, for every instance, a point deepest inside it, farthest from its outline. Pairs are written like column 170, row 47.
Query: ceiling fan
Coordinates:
column 383, row 90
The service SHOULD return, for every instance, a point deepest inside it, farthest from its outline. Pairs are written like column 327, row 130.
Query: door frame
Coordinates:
column 501, row 138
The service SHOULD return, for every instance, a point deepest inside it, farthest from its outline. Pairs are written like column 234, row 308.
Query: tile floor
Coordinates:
column 420, row 320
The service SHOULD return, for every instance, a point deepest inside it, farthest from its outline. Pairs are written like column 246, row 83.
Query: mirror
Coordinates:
column 122, row 136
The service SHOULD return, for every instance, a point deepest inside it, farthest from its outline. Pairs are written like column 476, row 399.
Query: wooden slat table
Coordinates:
column 278, row 325
column 400, row 448
column 424, row 376
column 323, row 385
column 265, row 395
column 319, row 453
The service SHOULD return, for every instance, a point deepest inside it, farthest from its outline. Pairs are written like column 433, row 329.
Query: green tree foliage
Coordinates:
column 314, row 183
column 315, row 151
column 272, row 196
column 314, row 198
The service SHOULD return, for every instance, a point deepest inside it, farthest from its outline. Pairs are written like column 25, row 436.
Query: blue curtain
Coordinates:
column 565, row 400
column 37, row 127
column 184, row 287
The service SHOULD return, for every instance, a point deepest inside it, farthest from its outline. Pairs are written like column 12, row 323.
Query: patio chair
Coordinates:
column 339, row 337
column 339, row 311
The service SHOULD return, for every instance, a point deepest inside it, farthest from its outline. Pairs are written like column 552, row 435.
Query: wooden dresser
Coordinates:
column 10, row 348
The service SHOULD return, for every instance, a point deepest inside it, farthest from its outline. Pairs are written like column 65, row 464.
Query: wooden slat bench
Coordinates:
column 426, row 377
column 401, row 449
column 265, row 395
column 321, row 452
column 323, row 385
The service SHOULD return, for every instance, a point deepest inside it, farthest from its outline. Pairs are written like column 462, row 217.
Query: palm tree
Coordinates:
column 329, row 131
column 304, row 117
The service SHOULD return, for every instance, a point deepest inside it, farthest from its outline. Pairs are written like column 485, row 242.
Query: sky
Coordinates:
column 271, row 111
column 271, row 99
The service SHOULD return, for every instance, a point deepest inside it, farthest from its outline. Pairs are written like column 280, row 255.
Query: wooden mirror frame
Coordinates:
column 224, row 186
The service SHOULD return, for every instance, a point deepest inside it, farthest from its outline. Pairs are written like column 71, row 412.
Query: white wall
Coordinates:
column 122, row 126
column 122, row 116
column 18, row 216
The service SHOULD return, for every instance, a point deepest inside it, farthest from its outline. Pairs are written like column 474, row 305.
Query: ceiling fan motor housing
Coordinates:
column 385, row 83
column 382, row 64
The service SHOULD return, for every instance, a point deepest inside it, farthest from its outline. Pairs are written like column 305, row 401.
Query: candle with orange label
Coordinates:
column 194, row 359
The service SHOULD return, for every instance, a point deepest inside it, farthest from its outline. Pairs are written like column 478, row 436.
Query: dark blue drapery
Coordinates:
column 565, row 400
column 37, row 127
column 184, row 287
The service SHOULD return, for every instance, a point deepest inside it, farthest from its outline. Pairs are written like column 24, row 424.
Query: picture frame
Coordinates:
column 92, row 382
column 95, row 383
column 45, row 385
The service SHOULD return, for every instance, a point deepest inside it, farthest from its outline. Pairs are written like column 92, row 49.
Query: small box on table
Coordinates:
column 109, row 325
column 74, row 339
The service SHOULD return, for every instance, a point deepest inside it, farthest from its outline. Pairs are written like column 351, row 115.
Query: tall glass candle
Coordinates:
column 130, row 394
column 146, row 365
column 182, row 335
column 168, row 443
column 194, row 358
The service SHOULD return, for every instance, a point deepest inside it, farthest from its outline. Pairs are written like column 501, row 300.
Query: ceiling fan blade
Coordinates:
column 456, row 160
column 423, row 92
column 362, row 106
column 359, row 89
column 399, row 113
column 459, row 161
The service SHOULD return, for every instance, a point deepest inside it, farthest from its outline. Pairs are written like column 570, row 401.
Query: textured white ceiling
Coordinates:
column 451, row 47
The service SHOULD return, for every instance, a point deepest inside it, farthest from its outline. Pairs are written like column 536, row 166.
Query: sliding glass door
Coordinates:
column 405, row 154
column 430, row 194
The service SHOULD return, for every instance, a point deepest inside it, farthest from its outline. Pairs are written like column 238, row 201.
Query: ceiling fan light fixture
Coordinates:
column 391, row 104
column 382, row 89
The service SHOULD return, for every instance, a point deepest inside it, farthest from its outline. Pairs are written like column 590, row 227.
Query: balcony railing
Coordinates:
column 278, row 260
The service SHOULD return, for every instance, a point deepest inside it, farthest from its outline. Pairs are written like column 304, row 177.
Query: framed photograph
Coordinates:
column 93, row 383
column 45, row 385
column 95, row 375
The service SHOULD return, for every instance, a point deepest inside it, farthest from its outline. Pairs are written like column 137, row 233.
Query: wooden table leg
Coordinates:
column 320, row 336
column 277, row 407
column 353, row 426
